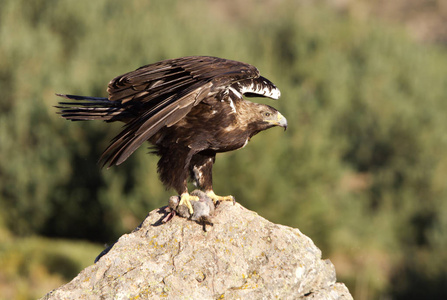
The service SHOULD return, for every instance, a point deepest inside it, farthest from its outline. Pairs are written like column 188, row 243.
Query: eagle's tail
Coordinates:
column 90, row 108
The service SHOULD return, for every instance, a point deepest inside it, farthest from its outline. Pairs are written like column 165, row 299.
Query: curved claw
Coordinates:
column 217, row 198
column 185, row 199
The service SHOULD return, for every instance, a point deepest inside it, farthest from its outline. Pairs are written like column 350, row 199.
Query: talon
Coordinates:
column 185, row 199
column 217, row 198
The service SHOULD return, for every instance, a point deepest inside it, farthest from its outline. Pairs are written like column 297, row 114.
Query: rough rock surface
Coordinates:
column 242, row 256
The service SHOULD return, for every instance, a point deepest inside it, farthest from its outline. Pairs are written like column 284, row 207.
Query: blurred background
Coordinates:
column 361, row 170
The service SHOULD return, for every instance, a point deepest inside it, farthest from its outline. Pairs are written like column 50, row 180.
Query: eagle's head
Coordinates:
column 271, row 117
column 262, row 117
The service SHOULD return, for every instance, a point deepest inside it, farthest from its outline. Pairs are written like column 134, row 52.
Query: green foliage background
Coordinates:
column 361, row 169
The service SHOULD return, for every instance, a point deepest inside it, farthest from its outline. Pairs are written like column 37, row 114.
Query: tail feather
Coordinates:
column 90, row 108
column 76, row 97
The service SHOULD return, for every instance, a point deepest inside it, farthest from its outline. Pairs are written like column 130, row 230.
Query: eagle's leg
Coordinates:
column 202, row 173
column 173, row 170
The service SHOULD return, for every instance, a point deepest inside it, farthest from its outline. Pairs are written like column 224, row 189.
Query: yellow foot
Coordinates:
column 216, row 198
column 185, row 199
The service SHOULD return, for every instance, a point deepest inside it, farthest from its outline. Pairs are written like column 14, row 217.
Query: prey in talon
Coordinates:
column 189, row 109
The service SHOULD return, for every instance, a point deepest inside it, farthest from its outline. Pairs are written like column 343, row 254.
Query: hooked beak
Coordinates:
column 282, row 121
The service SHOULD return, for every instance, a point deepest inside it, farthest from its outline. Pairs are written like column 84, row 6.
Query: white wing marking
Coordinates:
column 233, row 108
column 259, row 86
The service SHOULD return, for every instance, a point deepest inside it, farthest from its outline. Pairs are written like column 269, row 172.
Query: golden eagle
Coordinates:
column 189, row 109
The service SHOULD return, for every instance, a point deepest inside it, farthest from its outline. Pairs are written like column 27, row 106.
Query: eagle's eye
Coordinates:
column 267, row 114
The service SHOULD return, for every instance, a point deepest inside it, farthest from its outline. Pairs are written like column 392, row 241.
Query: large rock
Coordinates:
column 242, row 256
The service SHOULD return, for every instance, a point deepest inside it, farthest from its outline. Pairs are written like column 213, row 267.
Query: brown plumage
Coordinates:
column 188, row 108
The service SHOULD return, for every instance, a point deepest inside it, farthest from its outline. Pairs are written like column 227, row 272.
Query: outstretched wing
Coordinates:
column 165, row 92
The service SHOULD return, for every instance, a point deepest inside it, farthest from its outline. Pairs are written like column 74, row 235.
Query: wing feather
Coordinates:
column 141, row 129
